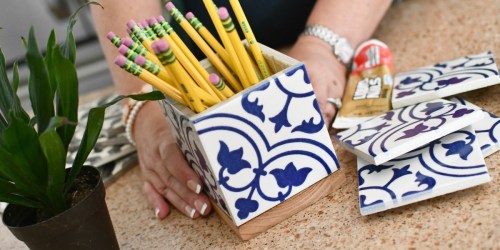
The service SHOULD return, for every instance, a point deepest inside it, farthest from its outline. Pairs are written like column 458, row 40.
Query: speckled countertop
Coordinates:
column 418, row 33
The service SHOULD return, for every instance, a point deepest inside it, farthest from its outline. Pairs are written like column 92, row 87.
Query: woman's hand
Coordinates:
column 327, row 74
column 165, row 171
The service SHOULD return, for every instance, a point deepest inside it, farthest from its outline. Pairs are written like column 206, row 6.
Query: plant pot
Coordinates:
column 86, row 225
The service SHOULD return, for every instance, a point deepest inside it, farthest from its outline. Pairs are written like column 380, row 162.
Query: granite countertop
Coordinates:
column 419, row 33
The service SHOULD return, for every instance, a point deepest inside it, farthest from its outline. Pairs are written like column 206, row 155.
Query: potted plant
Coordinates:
column 51, row 207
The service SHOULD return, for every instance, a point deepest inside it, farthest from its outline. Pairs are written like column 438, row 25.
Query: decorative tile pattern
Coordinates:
column 399, row 131
column 261, row 146
column 487, row 129
column 189, row 144
column 445, row 79
column 445, row 165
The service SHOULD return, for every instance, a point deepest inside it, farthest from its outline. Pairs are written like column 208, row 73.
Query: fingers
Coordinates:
column 329, row 113
column 173, row 178
column 177, row 194
column 156, row 200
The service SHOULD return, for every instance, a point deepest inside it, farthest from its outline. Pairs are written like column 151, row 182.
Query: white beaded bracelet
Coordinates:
column 130, row 121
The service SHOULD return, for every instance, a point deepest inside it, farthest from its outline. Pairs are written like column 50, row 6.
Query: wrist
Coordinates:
column 151, row 124
column 340, row 46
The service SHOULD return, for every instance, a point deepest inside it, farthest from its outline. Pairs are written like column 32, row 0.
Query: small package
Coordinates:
column 369, row 87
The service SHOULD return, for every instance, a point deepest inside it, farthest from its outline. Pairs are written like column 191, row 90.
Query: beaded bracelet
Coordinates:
column 130, row 121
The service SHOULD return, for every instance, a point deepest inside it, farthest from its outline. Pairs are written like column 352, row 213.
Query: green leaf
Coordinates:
column 15, row 169
column 16, row 105
column 67, row 94
column 15, row 77
column 55, row 152
column 21, row 141
column 51, row 69
column 93, row 129
column 19, row 200
column 3, row 124
column 69, row 48
column 5, row 91
column 39, row 86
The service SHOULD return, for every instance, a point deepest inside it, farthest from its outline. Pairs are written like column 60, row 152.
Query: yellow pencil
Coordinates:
column 163, row 74
column 139, row 34
column 178, row 41
column 252, row 42
column 152, row 67
column 149, row 78
column 212, row 57
column 228, row 24
column 220, row 85
column 199, row 74
column 139, row 49
column 114, row 39
column 183, row 79
column 148, row 31
column 238, row 68
column 211, row 40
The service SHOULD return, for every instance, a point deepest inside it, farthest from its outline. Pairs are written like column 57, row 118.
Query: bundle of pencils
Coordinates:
column 156, row 54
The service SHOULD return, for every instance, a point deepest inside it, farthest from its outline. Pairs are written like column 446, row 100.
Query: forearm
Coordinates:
column 114, row 17
column 354, row 19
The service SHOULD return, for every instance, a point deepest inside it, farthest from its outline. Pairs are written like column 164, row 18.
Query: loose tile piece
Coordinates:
column 445, row 79
column 487, row 129
column 445, row 165
column 399, row 131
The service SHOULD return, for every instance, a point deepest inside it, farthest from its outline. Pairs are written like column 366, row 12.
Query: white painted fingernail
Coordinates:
column 203, row 208
column 190, row 211
column 194, row 186
column 157, row 212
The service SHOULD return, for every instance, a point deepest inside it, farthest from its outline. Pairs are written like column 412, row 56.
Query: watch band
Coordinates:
column 341, row 47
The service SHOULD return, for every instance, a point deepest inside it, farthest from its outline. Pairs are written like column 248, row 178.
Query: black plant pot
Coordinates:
column 86, row 225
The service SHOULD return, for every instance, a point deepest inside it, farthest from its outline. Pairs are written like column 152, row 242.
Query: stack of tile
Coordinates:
column 426, row 146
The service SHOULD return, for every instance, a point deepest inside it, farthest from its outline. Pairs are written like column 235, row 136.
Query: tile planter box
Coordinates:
column 260, row 147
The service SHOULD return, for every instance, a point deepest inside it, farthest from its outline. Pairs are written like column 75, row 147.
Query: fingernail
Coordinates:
column 203, row 208
column 157, row 212
column 195, row 187
column 200, row 206
column 190, row 211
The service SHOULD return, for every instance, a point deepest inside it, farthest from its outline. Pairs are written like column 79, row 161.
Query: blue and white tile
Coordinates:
column 446, row 165
column 399, row 131
column 190, row 146
column 261, row 146
column 445, row 79
column 267, row 144
column 487, row 129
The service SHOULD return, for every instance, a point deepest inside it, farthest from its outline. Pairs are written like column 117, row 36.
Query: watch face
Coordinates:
column 343, row 50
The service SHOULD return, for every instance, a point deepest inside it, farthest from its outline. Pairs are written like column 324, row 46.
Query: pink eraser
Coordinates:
column 120, row 60
column 223, row 14
column 131, row 23
column 127, row 41
column 123, row 49
column 189, row 15
column 128, row 30
column 213, row 78
column 110, row 35
column 144, row 23
column 152, row 21
column 169, row 6
column 154, row 46
column 161, row 46
column 140, row 26
column 160, row 18
column 140, row 60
